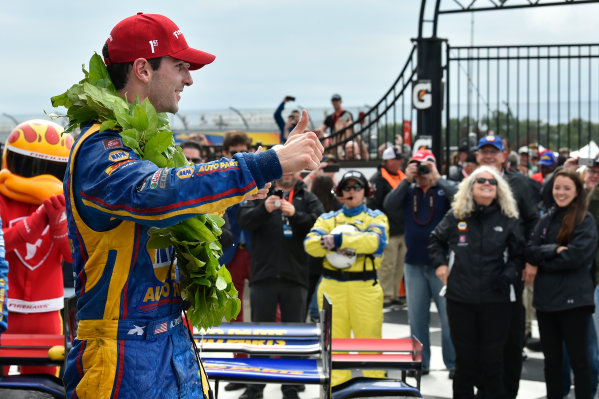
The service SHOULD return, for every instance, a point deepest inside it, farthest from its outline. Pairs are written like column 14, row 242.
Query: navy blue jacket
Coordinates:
column 419, row 225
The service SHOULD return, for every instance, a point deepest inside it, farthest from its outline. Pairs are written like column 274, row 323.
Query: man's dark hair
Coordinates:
column 192, row 144
column 119, row 72
column 234, row 138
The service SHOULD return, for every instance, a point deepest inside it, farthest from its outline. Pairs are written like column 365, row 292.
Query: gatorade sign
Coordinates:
column 421, row 94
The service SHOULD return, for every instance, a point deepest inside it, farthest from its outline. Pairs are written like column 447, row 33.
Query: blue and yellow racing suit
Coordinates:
column 131, row 342
column 356, row 296
column 3, row 283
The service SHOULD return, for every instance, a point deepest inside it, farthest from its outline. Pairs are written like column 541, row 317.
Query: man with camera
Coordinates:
column 279, row 264
column 421, row 200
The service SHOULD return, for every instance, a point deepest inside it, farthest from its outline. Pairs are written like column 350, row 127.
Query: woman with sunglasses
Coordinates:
column 563, row 246
column 351, row 240
column 475, row 250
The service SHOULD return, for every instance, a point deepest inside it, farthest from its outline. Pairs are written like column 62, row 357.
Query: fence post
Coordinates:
column 430, row 75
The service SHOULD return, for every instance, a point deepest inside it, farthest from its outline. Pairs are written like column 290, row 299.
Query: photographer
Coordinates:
column 279, row 264
column 422, row 199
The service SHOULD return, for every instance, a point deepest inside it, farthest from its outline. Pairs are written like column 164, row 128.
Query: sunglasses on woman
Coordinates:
column 483, row 180
column 356, row 187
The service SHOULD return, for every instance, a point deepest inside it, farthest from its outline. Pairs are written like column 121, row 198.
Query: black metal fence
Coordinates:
column 389, row 117
column 545, row 94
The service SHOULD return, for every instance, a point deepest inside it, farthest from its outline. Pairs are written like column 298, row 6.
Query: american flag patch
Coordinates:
column 161, row 328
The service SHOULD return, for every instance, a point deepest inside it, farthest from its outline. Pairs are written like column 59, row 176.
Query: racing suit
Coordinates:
column 3, row 285
column 131, row 342
column 37, row 286
column 354, row 292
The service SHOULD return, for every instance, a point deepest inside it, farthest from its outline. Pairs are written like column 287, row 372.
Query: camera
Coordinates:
column 289, row 98
column 278, row 192
column 423, row 169
column 590, row 162
column 331, row 168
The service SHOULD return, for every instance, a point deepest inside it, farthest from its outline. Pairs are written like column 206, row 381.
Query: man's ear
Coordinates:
column 142, row 70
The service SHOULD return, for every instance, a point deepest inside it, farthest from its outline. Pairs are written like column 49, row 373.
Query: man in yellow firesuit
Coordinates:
column 352, row 240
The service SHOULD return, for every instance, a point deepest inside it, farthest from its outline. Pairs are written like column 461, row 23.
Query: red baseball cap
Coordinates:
column 423, row 155
column 151, row 36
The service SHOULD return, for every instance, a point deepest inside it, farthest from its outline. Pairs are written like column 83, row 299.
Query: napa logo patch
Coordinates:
column 185, row 173
column 116, row 156
column 462, row 226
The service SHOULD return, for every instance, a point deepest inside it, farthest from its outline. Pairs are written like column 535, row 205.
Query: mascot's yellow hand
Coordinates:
column 31, row 190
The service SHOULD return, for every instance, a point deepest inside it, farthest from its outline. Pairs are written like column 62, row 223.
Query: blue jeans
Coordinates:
column 421, row 285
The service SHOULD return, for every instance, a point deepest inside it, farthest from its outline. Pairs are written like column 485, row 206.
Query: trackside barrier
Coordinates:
column 288, row 353
column 294, row 353
column 303, row 351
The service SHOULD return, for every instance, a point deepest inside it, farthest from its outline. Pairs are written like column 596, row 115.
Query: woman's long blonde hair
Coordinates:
column 463, row 203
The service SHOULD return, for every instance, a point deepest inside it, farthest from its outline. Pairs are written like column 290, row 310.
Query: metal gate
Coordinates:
column 544, row 94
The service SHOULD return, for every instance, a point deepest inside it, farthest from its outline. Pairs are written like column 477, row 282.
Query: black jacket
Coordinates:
column 525, row 198
column 381, row 189
column 563, row 280
column 482, row 270
column 273, row 255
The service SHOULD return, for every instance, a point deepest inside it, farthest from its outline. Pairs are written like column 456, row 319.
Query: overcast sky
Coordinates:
column 264, row 48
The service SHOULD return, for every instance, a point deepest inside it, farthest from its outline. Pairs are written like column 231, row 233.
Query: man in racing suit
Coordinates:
column 352, row 255
column 32, row 208
column 131, row 341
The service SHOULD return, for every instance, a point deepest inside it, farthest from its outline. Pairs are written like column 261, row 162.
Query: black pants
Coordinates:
column 570, row 327
column 512, row 353
column 265, row 295
column 478, row 332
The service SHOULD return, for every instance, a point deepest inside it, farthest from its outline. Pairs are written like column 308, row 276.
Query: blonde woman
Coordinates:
column 476, row 249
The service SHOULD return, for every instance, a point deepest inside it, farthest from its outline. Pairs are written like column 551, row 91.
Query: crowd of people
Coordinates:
column 496, row 237
column 485, row 242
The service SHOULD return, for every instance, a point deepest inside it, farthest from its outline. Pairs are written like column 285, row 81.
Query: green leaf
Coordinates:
column 109, row 124
column 216, row 219
column 159, row 242
column 151, row 115
column 221, row 283
column 140, row 118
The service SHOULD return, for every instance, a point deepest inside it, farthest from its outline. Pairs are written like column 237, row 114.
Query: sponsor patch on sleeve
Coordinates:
column 109, row 170
column 185, row 173
column 118, row 155
column 113, row 143
column 462, row 226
